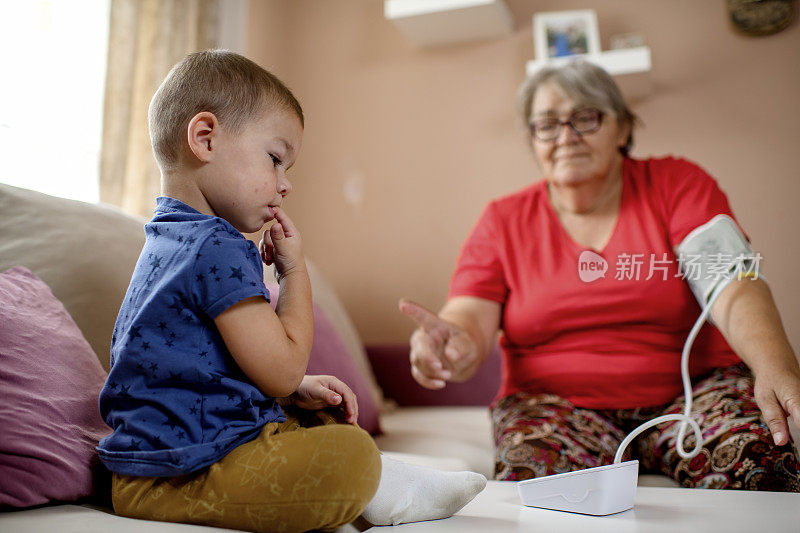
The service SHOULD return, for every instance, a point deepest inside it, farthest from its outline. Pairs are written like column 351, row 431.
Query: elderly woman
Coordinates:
column 594, row 275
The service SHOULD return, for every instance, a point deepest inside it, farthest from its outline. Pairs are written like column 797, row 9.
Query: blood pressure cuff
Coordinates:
column 713, row 254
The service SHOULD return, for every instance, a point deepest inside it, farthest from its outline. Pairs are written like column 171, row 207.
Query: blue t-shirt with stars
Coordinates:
column 175, row 398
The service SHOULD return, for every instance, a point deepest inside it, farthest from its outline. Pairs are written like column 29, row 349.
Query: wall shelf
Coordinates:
column 434, row 22
column 630, row 67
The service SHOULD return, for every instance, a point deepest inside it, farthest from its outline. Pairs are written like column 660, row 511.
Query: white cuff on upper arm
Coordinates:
column 713, row 254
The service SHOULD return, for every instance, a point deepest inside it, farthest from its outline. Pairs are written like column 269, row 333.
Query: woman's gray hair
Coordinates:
column 585, row 83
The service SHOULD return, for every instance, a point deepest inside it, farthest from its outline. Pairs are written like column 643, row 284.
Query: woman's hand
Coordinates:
column 320, row 392
column 746, row 315
column 440, row 350
column 777, row 394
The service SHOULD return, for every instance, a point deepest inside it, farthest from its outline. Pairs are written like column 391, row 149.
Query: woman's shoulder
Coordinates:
column 666, row 173
column 664, row 165
column 522, row 207
column 528, row 195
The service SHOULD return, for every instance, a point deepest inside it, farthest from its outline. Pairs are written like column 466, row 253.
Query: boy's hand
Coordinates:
column 282, row 245
column 319, row 392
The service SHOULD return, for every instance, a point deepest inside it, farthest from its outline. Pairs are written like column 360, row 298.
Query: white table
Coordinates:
column 497, row 510
column 670, row 510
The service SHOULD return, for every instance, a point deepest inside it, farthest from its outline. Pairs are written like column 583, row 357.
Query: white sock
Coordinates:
column 411, row 493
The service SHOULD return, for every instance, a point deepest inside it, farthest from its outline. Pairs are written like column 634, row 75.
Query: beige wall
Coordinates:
column 432, row 135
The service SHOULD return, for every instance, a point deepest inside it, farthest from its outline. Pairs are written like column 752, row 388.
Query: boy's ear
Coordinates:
column 202, row 132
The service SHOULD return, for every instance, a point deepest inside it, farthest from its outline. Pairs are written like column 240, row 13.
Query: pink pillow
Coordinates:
column 50, row 380
column 329, row 356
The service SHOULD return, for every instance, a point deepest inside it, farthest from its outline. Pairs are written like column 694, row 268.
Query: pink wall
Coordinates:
column 432, row 135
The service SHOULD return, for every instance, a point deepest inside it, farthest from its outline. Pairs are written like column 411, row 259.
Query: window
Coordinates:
column 51, row 97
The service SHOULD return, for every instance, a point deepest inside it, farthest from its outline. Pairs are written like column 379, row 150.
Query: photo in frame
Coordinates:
column 565, row 33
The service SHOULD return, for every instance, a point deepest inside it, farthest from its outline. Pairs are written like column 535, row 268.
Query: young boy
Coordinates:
column 200, row 359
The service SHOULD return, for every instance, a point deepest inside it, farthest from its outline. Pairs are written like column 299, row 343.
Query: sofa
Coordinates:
column 64, row 269
column 77, row 260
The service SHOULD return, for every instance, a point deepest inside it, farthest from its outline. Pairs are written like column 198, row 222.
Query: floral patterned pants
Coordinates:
column 543, row 434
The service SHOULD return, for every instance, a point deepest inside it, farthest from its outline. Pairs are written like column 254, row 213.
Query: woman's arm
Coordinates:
column 454, row 344
column 746, row 315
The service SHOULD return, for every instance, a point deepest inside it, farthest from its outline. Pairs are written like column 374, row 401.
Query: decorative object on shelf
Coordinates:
column 627, row 40
column 628, row 60
column 616, row 62
column 761, row 17
column 565, row 33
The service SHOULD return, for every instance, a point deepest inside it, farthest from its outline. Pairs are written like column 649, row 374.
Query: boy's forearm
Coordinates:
column 295, row 310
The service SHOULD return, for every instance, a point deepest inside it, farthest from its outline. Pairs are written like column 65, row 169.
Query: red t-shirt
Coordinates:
column 610, row 343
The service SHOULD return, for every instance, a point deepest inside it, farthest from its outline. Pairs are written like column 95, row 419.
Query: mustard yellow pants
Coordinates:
column 290, row 478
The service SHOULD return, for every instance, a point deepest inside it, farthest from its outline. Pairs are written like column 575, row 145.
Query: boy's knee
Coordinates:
column 361, row 459
column 355, row 466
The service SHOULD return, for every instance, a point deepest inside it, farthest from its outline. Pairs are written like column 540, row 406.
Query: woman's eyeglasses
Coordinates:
column 582, row 122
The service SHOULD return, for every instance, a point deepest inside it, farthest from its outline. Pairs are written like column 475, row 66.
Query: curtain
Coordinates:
column 146, row 38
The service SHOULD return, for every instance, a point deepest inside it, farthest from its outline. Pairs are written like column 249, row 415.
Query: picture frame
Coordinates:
column 558, row 34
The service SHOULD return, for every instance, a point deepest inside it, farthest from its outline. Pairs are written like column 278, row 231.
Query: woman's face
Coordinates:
column 572, row 158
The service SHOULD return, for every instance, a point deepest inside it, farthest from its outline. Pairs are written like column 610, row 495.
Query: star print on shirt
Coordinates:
column 176, row 305
column 134, row 332
column 245, row 404
column 236, row 272
column 178, row 348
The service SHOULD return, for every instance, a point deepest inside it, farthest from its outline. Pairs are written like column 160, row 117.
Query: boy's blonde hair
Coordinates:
column 227, row 84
